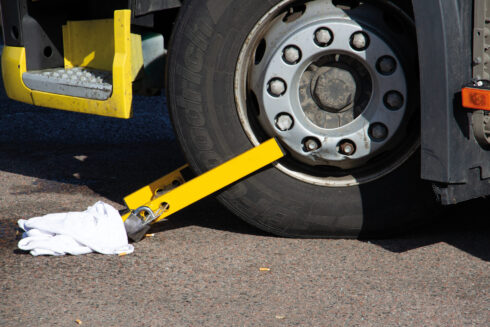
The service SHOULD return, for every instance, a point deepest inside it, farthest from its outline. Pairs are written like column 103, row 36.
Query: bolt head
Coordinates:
column 386, row 65
column 292, row 55
column 359, row 41
column 347, row 148
column 379, row 132
column 323, row 36
column 277, row 87
column 334, row 89
column 311, row 145
column 284, row 122
column 393, row 100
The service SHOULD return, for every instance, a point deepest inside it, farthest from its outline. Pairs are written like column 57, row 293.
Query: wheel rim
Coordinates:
column 330, row 88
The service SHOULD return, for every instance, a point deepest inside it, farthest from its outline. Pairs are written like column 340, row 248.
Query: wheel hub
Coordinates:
column 330, row 88
column 333, row 89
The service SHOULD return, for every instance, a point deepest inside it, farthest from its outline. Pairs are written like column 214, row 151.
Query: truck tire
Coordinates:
column 334, row 81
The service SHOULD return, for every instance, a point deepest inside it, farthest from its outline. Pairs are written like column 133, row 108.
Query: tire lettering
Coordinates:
column 193, row 58
column 192, row 112
column 201, row 139
column 210, row 158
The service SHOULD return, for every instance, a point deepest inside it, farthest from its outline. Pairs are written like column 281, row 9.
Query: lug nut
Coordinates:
column 277, row 87
column 386, row 65
column 291, row 55
column 378, row 132
column 347, row 148
column 311, row 144
column 359, row 41
column 323, row 37
column 284, row 122
column 393, row 100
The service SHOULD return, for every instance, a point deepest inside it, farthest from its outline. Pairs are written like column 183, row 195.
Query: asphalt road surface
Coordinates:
column 202, row 267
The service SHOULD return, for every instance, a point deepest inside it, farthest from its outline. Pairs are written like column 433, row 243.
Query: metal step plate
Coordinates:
column 76, row 82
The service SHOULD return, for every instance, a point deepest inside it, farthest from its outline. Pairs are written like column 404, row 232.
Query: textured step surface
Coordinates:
column 77, row 82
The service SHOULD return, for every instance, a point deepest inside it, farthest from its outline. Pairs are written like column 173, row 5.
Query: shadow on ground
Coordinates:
column 465, row 226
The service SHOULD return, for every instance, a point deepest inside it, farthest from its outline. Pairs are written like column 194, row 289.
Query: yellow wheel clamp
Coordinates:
column 172, row 193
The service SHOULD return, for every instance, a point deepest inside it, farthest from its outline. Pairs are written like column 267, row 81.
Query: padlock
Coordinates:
column 136, row 225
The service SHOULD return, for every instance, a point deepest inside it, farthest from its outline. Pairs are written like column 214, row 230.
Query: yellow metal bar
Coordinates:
column 118, row 105
column 205, row 184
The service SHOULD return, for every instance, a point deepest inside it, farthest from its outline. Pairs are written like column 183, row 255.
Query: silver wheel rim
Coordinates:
column 292, row 49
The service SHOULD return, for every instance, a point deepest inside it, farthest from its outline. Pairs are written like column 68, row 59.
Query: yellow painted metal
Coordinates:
column 118, row 105
column 151, row 191
column 205, row 184
column 13, row 66
column 137, row 62
column 89, row 43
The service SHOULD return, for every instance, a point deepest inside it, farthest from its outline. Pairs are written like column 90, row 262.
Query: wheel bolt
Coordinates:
column 277, row 87
column 323, row 37
column 359, row 41
column 386, row 65
column 393, row 100
column 292, row 55
column 284, row 122
column 311, row 144
column 378, row 132
column 347, row 147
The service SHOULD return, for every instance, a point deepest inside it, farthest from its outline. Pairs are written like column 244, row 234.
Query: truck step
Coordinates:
column 77, row 82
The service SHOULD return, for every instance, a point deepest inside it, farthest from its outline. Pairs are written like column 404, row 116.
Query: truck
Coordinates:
column 380, row 106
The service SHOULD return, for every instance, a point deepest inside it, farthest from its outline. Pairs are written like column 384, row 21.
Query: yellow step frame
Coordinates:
column 118, row 105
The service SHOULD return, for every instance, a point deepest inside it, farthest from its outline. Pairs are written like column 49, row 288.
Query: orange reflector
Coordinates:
column 476, row 98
